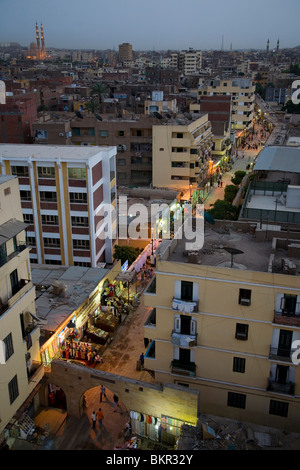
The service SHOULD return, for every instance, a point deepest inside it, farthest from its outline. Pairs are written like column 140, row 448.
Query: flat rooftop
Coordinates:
column 257, row 253
column 52, row 152
column 77, row 283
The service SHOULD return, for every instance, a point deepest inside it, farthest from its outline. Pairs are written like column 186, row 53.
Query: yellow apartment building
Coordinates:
column 20, row 368
column 225, row 321
column 181, row 153
column 242, row 91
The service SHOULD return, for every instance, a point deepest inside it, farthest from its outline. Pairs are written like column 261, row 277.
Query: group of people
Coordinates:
column 82, row 352
column 99, row 415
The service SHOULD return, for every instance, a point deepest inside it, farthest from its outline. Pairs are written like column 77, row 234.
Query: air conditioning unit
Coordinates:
column 61, row 134
column 245, row 301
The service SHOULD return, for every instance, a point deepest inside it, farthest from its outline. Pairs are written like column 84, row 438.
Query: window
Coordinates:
column 179, row 135
column 9, row 349
column 288, row 304
column 77, row 173
column 245, row 297
column 28, row 218
column 241, row 331
column 278, row 408
column 239, row 364
column 122, row 176
column 76, row 131
column 237, row 400
column 78, row 198
column 25, row 195
column 48, row 196
column 46, row 172
column 81, row 244
column 7, row 191
column 20, row 171
column 103, row 133
column 121, row 161
column 51, row 242
column 80, row 221
column 121, row 133
column 49, row 219
column 186, row 290
column 30, row 241
column 13, row 389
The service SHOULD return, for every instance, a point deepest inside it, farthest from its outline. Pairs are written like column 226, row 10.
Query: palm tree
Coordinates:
column 97, row 90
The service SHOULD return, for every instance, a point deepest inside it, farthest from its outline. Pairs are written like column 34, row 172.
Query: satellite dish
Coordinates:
column 168, row 116
column 233, row 251
column 157, row 115
column 78, row 114
column 97, row 116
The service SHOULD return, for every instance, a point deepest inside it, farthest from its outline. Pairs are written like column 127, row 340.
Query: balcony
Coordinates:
column 18, row 250
column 290, row 319
column 184, row 306
column 280, row 354
column 183, row 340
column 287, row 388
column 35, row 369
column 151, row 320
column 23, row 286
column 187, row 369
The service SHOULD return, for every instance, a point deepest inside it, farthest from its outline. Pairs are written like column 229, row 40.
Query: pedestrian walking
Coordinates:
column 100, row 417
column 102, row 392
column 94, row 419
column 142, row 359
column 116, row 402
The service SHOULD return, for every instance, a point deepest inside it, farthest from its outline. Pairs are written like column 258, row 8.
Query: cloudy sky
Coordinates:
column 153, row 24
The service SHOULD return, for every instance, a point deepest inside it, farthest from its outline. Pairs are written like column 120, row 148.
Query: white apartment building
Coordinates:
column 66, row 195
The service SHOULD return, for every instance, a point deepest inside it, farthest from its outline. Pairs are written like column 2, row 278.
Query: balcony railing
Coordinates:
column 286, row 319
column 281, row 354
column 151, row 320
column 183, row 340
column 288, row 388
column 18, row 250
column 20, row 289
column 184, row 306
column 36, row 367
column 181, row 368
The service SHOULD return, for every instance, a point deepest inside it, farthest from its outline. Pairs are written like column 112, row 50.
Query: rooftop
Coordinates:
column 50, row 152
column 281, row 158
column 61, row 290
column 262, row 252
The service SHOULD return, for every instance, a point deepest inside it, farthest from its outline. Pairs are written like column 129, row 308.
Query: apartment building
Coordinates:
column 181, row 153
column 132, row 135
column 20, row 368
column 225, row 321
column 242, row 92
column 188, row 62
column 64, row 194
column 125, row 52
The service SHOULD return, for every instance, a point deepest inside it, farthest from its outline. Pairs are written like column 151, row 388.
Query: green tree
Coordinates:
column 97, row 91
column 223, row 210
column 230, row 192
column 125, row 253
column 238, row 177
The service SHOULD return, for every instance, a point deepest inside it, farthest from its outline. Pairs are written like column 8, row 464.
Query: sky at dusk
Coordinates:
column 153, row 24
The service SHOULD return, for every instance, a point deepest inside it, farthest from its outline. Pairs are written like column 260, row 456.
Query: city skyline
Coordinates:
column 152, row 25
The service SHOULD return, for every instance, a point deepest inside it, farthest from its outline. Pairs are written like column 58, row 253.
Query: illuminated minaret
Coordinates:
column 38, row 41
column 277, row 48
column 268, row 46
column 43, row 52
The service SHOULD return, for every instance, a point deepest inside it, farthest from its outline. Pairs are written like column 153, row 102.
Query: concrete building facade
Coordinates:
column 20, row 368
column 226, row 323
column 64, row 192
